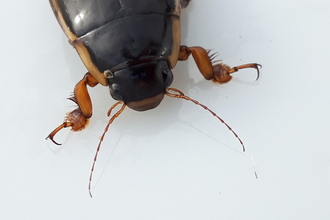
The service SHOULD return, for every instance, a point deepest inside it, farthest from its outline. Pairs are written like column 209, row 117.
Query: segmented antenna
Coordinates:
column 102, row 137
column 180, row 95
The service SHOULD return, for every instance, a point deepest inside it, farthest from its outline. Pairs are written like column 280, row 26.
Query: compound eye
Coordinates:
column 115, row 92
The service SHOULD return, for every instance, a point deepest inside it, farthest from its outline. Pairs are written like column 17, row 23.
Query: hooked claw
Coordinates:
column 52, row 134
column 75, row 119
column 222, row 72
column 250, row 65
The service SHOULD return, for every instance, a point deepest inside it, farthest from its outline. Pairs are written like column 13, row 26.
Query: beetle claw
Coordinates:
column 257, row 67
column 250, row 65
column 222, row 72
column 75, row 119
column 52, row 134
column 51, row 138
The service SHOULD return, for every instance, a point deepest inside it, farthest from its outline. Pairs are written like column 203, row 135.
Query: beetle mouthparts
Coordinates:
column 146, row 104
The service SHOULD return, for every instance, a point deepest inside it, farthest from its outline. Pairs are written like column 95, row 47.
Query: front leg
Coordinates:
column 78, row 118
column 217, row 72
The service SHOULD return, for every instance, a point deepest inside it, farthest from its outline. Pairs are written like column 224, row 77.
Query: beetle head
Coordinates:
column 141, row 86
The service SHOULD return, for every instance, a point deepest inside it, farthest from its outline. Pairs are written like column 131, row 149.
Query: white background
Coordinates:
column 177, row 161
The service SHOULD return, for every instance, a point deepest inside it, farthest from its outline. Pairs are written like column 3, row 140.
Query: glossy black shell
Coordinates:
column 117, row 36
column 115, row 31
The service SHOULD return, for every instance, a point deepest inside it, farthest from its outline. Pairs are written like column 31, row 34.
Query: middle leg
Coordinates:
column 217, row 72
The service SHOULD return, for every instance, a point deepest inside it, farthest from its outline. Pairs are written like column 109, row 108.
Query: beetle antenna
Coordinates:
column 180, row 95
column 101, row 139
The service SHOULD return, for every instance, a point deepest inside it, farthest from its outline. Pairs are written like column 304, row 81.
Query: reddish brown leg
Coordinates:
column 217, row 72
column 78, row 118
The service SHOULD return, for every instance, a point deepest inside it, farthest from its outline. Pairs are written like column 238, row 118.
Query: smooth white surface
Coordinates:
column 177, row 161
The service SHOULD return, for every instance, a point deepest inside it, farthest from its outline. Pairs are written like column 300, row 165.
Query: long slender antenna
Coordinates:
column 180, row 95
column 101, row 139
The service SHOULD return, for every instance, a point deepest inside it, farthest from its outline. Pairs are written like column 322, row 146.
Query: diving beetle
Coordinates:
column 130, row 46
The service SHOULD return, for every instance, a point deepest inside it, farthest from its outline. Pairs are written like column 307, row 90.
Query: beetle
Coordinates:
column 130, row 46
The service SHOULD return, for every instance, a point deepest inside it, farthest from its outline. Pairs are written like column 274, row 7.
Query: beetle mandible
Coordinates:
column 130, row 46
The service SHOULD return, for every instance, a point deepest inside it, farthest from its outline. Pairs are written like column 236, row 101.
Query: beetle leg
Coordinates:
column 78, row 118
column 217, row 72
